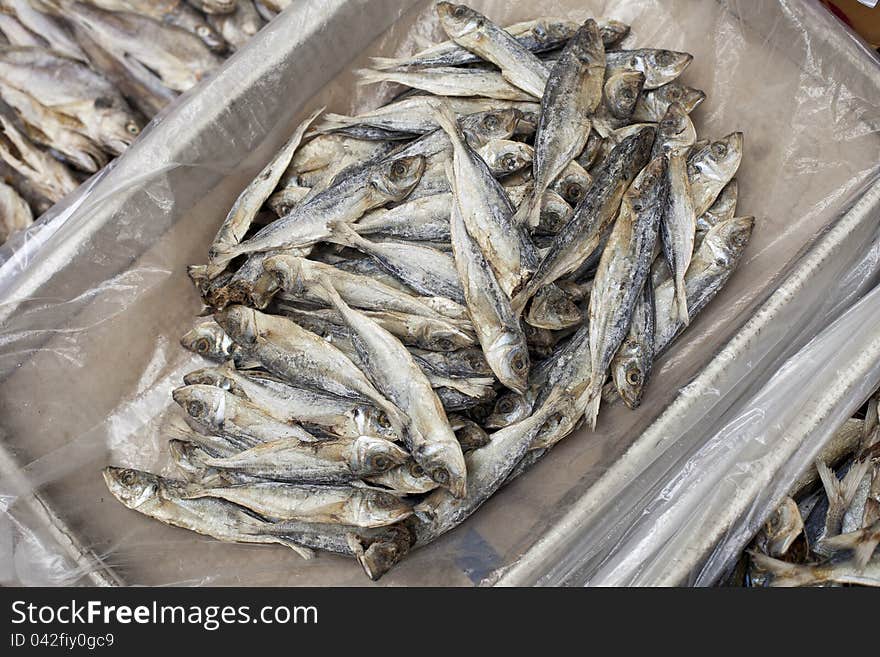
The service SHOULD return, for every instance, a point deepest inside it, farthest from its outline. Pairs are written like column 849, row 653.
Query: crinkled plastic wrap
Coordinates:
column 92, row 302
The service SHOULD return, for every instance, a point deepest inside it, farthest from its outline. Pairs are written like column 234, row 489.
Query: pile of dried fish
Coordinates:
column 827, row 530
column 479, row 254
column 79, row 79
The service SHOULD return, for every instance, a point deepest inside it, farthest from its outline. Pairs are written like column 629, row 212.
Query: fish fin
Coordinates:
column 784, row 573
column 862, row 542
column 385, row 63
column 681, row 301
column 304, row 552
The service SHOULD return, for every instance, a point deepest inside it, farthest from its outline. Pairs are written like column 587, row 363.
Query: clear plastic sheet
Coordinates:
column 93, row 302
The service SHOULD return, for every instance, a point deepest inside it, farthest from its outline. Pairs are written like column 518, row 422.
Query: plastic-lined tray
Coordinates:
column 93, row 306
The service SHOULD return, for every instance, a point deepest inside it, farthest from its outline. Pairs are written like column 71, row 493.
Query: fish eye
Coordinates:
column 383, row 421
column 203, row 31
column 675, row 93
column 667, row 124
column 397, row 169
column 132, row 129
column 719, row 149
column 445, row 344
column 518, row 363
column 626, row 94
column 637, row 207
column 490, row 122
column 440, row 475
column 633, row 377
column 416, row 470
column 128, row 477
column 203, row 345
column 459, row 11
column 665, row 58
column 505, row 405
column 381, row 462
column 633, row 62
column 195, row 408
column 574, row 191
column 509, row 162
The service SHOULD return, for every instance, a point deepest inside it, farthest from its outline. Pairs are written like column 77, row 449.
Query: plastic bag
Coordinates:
column 94, row 301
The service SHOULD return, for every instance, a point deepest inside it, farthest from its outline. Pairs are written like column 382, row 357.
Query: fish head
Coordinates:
column 675, row 92
column 372, row 421
column 622, row 92
column 555, row 213
column 210, row 37
column 435, row 338
column 668, row 64
column 369, row 455
column 511, row 357
column 282, row 272
column 444, row 463
column 459, row 20
column 676, row 128
column 720, row 159
column 513, row 156
column 207, row 339
column 482, row 127
column 212, row 376
column 509, row 408
column 549, row 32
column 554, row 309
column 728, row 239
column 378, row 554
column 131, row 487
column 628, row 373
column 573, row 185
column 119, row 128
column 471, row 435
column 397, row 178
column 204, row 404
column 239, row 322
column 587, row 46
column 408, row 477
column 613, row 31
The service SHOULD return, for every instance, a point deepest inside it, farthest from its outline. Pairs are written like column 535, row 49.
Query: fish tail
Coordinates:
column 333, row 122
column 862, row 542
column 343, row 234
column 528, row 214
column 592, row 411
column 369, row 76
column 222, row 254
column 840, row 492
column 446, row 120
column 784, row 573
column 520, row 299
column 681, row 301
column 385, row 63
